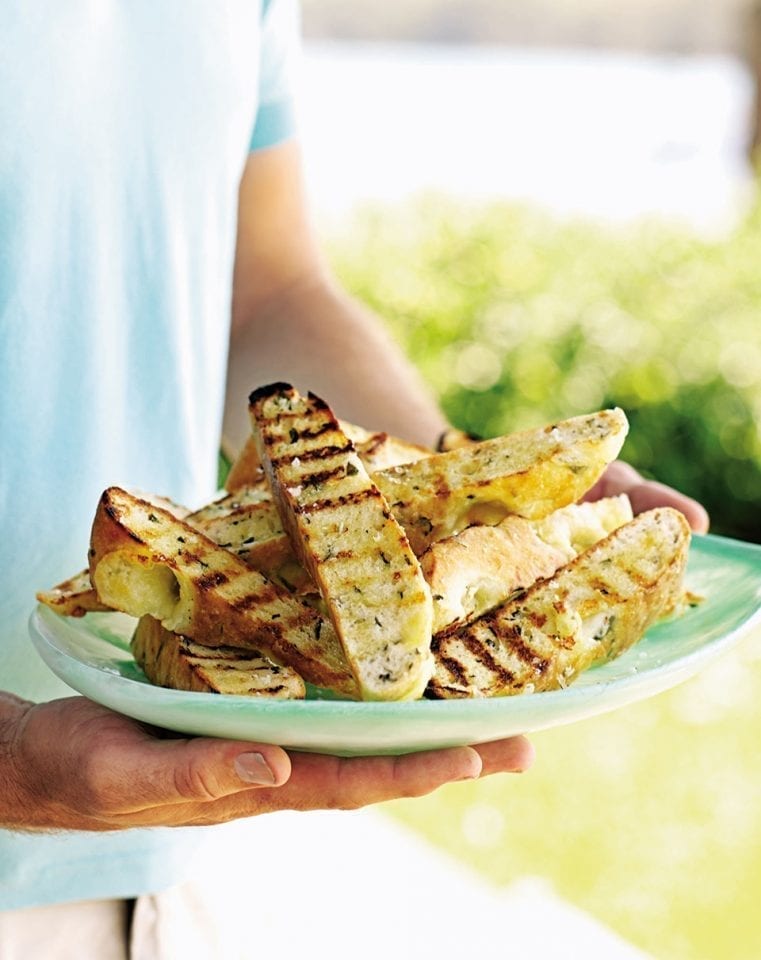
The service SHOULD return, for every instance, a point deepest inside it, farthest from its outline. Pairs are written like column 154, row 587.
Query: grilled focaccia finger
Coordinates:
column 247, row 470
column 484, row 566
column 74, row 597
column 345, row 536
column 171, row 660
column 144, row 561
column 528, row 474
column 591, row 610
column 380, row 451
column 454, row 439
column 226, row 506
column 376, row 450
column 249, row 526
column 247, row 522
column 438, row 496
column 237, row 522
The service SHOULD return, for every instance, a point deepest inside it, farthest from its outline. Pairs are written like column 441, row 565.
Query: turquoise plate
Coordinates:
column 92, row 655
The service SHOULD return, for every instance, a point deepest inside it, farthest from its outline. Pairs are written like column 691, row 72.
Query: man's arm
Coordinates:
column 292, row 322
column 74, row 765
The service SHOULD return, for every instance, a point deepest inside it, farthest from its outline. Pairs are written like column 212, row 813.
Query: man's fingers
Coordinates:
column 514, row 755
column 321, row 782
column 201, row 770
column 621, row 477
column 105, row 772
column 649, row 494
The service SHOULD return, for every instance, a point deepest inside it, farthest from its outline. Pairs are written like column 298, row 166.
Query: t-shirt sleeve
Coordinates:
column 280, row 57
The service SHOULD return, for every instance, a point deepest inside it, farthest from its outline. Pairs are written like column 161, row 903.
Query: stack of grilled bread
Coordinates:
column 355, row 562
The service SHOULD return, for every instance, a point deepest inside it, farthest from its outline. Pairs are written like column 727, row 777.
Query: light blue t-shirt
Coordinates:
column 124, row 128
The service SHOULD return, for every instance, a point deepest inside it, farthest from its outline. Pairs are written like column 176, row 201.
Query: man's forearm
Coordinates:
column 319, row 338
column 12, row 710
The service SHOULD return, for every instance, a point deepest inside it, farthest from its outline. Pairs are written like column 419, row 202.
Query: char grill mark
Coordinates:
column 115, row 514
column 335, row 503
column 374, row 443
column 251, row 600
column 279, row 386
column 516, row 646
column 310, row 434
column 213, row 579
column 481, row 652
column 456, row 669
column 321, row 477
column 319, row 453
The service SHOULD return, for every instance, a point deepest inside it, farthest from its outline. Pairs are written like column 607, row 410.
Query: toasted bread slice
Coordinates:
column 170, row 660
column 592, row 609
column 74, row 597
column 454, row 439
column 246, row 471
column 247, row 524
column 377, row 451
column 345, row 536
column 483, row 566
column 235, row 522
column 227, row 505
column 145, row 561
column 528, row 474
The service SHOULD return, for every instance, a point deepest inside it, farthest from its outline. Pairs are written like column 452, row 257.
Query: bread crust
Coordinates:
column 175, row 661
column 73, row 597
column 483, row 566
column 592, row 609
column 145, row 561
column 377, row 450
column 528, row 474
column 345, row 536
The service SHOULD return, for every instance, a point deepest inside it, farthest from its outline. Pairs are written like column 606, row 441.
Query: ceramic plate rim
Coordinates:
column 636, row 685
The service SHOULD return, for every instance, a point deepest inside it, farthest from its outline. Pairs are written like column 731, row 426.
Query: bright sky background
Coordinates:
column 604, row 134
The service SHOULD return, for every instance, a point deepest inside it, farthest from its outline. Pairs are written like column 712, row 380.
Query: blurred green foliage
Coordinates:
column 647, row 818
column 516, row 318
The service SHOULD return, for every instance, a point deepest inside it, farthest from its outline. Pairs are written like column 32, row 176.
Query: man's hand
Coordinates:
column 644, row 494
column 74, row 765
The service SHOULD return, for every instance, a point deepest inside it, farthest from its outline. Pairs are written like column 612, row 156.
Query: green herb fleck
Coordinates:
column 426, row 524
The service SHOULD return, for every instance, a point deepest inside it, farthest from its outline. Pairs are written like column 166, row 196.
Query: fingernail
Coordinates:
column 253, row 768
column 476, row 765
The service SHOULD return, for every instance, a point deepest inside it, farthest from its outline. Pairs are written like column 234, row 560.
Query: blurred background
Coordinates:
column 554, row 205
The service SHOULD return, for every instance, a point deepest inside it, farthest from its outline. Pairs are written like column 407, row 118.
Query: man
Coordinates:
column 127, row 167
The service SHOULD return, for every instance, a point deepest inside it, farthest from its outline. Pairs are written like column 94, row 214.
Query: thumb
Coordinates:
column 203, row 770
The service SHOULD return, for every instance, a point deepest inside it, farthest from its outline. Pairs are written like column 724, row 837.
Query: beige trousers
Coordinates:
column 173, row 925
